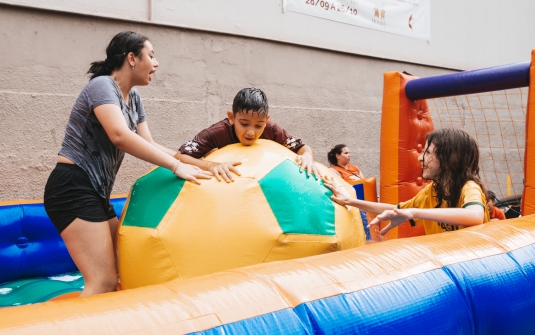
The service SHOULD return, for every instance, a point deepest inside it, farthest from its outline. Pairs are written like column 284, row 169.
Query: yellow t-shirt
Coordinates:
column 471, row 194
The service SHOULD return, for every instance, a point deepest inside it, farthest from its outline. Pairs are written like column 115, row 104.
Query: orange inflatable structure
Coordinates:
column 406, row 121
column 404, row 126
column 528, row 206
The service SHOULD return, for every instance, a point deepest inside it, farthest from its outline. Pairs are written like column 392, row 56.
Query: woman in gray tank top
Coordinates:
column 107, row 120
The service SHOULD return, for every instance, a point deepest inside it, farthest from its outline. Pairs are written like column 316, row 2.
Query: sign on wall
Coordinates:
column 404, row 17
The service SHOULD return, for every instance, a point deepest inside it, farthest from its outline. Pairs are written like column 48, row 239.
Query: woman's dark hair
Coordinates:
column 250, row 99
column 458, row 155
column 120, row 46
column 337, row 150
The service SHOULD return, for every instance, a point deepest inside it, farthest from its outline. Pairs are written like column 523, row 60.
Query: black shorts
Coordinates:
column 69, row 194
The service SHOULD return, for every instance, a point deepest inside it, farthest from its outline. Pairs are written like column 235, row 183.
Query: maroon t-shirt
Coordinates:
column 222, row 133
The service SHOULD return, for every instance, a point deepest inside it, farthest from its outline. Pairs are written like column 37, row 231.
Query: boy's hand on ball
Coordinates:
column 307, row 163
column 224, row 170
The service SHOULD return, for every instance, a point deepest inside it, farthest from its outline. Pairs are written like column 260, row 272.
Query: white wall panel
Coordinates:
column 464, row 34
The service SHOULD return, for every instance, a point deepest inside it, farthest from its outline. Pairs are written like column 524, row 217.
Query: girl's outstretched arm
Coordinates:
column 469, row 216
column 342, row 199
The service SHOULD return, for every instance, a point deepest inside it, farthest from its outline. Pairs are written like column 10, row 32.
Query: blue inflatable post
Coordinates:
column 469, row 82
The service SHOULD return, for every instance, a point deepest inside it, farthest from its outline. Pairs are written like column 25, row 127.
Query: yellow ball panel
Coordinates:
column 142, row 258
column 257, row 159
column 220, row 227
column 290, row 246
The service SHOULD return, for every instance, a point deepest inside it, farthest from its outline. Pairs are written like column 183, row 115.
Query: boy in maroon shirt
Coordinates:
column 248, row 121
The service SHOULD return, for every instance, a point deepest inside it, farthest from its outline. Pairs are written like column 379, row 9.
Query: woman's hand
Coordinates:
column 224, row 170
column 339, row 195
column 395, row 216
column 191, row 172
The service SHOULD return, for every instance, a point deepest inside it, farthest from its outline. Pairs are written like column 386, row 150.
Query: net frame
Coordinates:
column 406, row 120
column 493, row 83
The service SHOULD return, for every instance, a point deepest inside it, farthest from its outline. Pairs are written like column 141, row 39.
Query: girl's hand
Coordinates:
column 224, row 170
column 191, row 172
column 395, row 216
column 339, row 195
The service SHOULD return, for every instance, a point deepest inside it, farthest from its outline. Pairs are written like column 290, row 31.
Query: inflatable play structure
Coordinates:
column 35, row 264
column 271, row 212
column 478, row 280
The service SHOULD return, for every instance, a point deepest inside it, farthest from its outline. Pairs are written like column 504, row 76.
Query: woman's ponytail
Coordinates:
column 100, row 68
column 120, row 46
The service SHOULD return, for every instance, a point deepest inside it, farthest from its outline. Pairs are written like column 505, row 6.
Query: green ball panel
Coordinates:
column 151, row 197
column 301, row 204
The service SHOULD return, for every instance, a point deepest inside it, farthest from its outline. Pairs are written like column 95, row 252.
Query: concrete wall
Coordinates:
column 324, row 97
column 464, row 34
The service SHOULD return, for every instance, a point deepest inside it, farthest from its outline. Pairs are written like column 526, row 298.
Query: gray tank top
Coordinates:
column 87, row 144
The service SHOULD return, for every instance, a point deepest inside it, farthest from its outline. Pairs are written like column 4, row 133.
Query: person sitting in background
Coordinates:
column 494, row 212
column 339, row 158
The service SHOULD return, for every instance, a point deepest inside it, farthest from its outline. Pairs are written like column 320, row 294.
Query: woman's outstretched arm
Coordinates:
column 112, row 120
column 143, row 131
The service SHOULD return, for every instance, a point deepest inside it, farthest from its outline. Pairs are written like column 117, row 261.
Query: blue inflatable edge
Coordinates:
column 490, row 295
column 469, row 82
column 30, row 246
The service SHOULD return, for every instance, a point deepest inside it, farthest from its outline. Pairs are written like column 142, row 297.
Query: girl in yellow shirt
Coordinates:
column 456, row 197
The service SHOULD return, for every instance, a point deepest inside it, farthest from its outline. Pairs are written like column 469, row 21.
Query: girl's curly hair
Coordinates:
column 458, row 155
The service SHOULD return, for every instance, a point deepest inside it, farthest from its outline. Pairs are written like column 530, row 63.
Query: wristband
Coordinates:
column 176, row 167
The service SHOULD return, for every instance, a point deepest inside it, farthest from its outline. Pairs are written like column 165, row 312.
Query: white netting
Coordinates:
column 497, row 120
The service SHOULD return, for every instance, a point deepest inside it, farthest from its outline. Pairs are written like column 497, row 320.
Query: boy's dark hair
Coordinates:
column 458, row 155
column 250, row 99
column 337, row 150
column 491, row 196
column 120, row 46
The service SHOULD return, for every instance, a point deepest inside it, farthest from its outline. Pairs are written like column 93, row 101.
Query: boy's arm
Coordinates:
column 305, row 155
column 219, row 170
column 216, row 136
